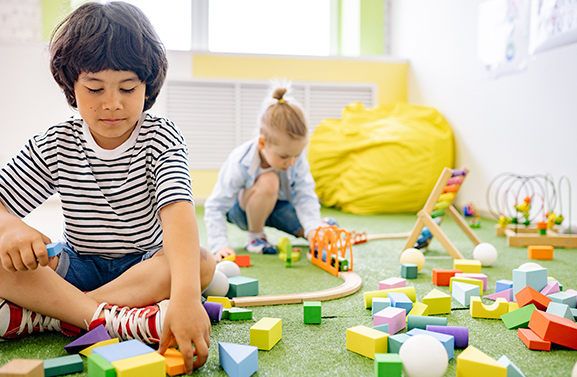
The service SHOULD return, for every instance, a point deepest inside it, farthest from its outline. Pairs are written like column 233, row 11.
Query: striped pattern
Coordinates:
column 109, row 205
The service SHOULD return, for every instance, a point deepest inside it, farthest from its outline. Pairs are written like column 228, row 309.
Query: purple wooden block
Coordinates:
column 214, row 310
column 394, row 317
column 460, row 333
column 470, row 275
column 507, row 294
column 99, row 334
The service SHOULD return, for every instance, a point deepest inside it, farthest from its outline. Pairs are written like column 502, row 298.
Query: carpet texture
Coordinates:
column 320, row 350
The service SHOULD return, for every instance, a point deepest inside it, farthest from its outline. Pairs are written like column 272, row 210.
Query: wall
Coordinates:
column 523, row 123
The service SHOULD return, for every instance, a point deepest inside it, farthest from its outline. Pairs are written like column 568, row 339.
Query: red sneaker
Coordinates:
column 144, row 324
column 16, row 322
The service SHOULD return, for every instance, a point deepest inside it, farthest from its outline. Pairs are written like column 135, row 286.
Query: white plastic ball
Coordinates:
column 574, row 371
column 423, row 356
column 228, row 268
column 218, row 286
column 529, row 266
column 414, row 256
column 485, row 253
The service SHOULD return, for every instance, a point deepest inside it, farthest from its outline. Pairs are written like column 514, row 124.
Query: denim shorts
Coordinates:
column 88, row 272
column 283, row 217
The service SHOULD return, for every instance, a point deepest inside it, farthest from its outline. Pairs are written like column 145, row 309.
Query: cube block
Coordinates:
column 388, row 365
column 394, row 317
column 312, row 312
column 380, row 303
column 98, row 367
column 366, row 341
column 535, row 278
column 396, row 341
column 409, row 270
column 266, row 333
column 442, row 277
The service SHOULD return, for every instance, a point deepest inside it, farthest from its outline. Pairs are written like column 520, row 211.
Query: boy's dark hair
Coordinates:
column 116, row 36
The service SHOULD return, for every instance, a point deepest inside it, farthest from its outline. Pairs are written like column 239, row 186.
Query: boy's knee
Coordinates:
column 207, row 267
column 268, row 183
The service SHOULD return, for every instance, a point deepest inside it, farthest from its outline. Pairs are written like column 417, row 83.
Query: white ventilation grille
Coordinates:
column 215, row 116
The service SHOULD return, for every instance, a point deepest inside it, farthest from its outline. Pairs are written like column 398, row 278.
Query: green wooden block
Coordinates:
column 63, row 365
column 421, row 322
column 312, row 312
column 240, row 286
column 225, row 313
column 396, row 341
column 236, row 314
column 518, row 318
column 388, row 364
column 409, row 270
column 98, row 367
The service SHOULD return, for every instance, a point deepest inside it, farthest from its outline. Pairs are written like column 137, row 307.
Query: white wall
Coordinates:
column 524, row 123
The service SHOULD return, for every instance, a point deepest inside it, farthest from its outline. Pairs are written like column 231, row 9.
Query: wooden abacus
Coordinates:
column 440, row 202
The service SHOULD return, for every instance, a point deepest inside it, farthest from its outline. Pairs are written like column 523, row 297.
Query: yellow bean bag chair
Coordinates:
column 381, row 160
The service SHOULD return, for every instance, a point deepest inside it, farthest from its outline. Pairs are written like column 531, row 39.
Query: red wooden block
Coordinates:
column 443, row 277
column 242, row 260
column 529, row 295
column 553, row 328
column 533, row 341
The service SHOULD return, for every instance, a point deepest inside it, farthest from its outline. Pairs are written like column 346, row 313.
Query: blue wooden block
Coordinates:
column 54, row 249
column 503, row 285
column 535, row 278
column 122, row 350
column 564, row 298
column 400, row 300
column 241, row 286
column 63, row 365
column 380, row 303
column 463, row 292
column 396, row 341
column 512, row 370
column 238, row 360
column 383, row 328
column 561, row 310
column 448, row 341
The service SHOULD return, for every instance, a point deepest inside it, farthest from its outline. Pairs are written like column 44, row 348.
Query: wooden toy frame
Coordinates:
column 523, row 236
column 336, row 242
column 425, row 218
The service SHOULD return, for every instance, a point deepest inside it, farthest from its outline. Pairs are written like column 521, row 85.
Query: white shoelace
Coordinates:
column 43, row 322
column 120, row 320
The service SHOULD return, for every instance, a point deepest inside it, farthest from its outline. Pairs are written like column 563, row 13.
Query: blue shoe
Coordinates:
column 261, row 246
column 330, row 221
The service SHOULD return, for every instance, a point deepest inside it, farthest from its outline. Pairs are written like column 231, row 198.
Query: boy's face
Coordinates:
column 282, row 154
column 110, row 102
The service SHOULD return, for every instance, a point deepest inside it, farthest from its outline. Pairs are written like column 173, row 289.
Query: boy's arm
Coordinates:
column 186, row 321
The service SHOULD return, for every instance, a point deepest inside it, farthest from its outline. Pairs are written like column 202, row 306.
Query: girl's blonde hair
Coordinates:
column 282, row 114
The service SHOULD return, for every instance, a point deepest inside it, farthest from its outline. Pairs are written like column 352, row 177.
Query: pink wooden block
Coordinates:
column 571, row 291
column 394, row 317
column 507, row 294
column 392, row 283
column 478, row 276
column 551, row 287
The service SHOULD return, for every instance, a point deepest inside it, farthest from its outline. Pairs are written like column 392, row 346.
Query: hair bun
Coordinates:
column 279, row 93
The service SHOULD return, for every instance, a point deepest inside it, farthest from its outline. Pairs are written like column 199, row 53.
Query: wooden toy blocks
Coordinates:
column 460, row 333
column 88, row 351
column 409, row 270
column 174, row 362
column 242, row 286
column 553, row 328
column 442, row 277
column 366, row 341
column 368, row 296
column 438, row 302
column 312, row 312
column 494, row 311
column 507, row 294
column 566, row 298
column 476, row 282
column 467, row 265
column 225, row 301
column 421, row 322
column 98, row 367
column 266, row 333
column 146, row 365
column 396, row 341
column 540, row 252
column 561, row 310
column 463, row 292
column 419, row 309
column 535, row 278
column 532, row 341
column 22, row 368
column 242, row 260
column 550, row 288
column 401, row 300
column 530, row 296
column 394, row 317
column 512, row 370
column 63, row 365
column 122, row 350
column 236, row 314
column 380, row 303
column 503, row 284
column 238, row 360
column 518, row 318
column 98, row 334
column 469, row 275
column 475, row 363
column 448, row 341
column 388, row 365
column 392, row 283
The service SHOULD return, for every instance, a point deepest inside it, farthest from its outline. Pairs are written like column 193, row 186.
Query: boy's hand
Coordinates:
column 22, row 248
column 186, row 324
column 223, row 253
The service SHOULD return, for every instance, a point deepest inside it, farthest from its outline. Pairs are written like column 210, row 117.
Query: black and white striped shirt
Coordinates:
column 110, row 198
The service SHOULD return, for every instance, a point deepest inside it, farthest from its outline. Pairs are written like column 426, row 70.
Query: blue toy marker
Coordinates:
column 54, row 249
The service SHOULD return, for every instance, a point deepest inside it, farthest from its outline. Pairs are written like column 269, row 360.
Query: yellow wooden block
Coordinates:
column 231, row 257
column 266, row 333
column 174, row 362
column 467, row 265
column 366, row 341
column 88, row 350
column 466, row 280
column 474, row 363
column 438, row 302
column 494, row 311
column 419, row 309
column 513, row 306
column 147, row 365
column 223, row 300
column 409, row 291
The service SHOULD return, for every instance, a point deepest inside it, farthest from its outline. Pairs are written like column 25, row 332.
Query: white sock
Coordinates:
column 250, row 236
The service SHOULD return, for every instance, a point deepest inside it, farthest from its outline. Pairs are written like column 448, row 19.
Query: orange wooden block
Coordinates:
column 174, row 362
column 529, row 295
column 544, row 252
column 443, row 277
column 23, row 368
column 242, row 260
column 554, row 329
column 533, row 341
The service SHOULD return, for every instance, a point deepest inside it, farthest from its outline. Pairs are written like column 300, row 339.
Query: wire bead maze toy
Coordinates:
column 525, row 208
column 329, row 247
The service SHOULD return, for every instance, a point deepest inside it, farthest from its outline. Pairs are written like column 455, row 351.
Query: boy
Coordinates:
column 130, row 237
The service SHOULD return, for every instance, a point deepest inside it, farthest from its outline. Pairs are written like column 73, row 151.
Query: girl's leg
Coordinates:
column 259, row 200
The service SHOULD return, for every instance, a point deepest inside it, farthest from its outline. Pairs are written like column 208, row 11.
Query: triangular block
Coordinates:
column 507, row 294
column 238, row 360
column 512, row 370
column 550, row 288
column 99, row 334
column 562, row 310
column 463, row 292
column 473, row 362
column 438, row 302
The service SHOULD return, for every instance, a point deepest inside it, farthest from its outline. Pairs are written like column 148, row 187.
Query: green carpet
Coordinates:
column 320, row 350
